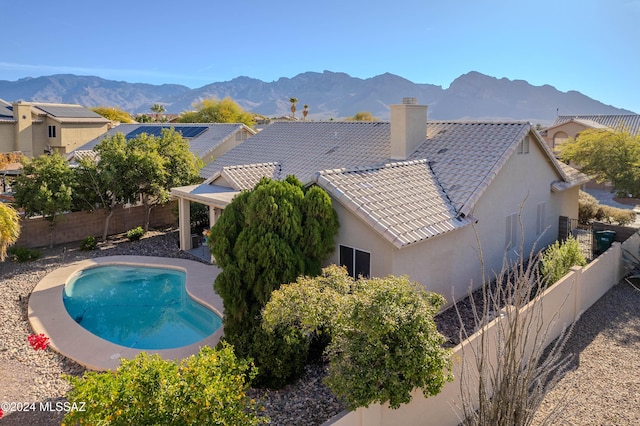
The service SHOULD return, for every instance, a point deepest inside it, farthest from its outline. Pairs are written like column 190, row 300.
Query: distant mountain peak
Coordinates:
column 329, row 94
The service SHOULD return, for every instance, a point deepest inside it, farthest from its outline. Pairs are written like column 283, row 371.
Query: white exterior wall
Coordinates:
column 354, row 232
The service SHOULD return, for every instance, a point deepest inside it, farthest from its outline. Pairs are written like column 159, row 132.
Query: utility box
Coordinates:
column 603, row 240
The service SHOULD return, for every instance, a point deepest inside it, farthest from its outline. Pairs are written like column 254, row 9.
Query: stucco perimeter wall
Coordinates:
column 76, row 226
column 560, row 305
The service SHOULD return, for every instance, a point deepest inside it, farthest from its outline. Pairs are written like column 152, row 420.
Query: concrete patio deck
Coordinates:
column 48, row 315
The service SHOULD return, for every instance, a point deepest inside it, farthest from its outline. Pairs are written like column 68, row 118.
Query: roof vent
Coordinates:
column 409, row 101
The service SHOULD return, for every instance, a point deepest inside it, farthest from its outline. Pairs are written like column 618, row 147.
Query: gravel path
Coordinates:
column 601, row 388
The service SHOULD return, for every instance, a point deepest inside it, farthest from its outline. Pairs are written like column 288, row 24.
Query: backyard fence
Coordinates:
column 559, row 306
column 71, row 227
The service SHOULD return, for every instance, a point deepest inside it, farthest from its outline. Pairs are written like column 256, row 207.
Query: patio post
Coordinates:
column 184, row 223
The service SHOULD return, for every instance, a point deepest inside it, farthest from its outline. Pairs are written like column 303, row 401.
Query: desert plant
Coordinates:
column 135, row 234
column 23, row 254
column 507, row 369
column 558, row 258
column 89, row 243
column 206, row 388
column 9, row 228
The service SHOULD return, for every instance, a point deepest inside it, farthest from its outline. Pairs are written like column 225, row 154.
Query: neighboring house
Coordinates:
column 36, row 128
column 414, row 197
column 206, row 140
column 569, row 126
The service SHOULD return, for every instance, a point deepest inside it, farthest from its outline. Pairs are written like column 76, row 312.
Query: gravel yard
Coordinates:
column 601, row 388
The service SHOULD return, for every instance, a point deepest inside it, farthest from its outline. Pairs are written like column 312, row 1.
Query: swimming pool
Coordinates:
column 138, row 307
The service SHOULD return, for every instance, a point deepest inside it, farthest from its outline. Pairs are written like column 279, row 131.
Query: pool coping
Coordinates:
column 48, row 315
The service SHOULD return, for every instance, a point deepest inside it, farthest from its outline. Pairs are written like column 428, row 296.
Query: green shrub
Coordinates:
column 615, row 215
column 206, row 388
column 383, row 343
column 23, row 254
column 89, row 243
column 587, row 207
column 135, row 234
column 558, row 259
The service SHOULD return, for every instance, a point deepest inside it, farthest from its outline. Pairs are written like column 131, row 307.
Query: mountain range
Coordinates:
column 329, row 95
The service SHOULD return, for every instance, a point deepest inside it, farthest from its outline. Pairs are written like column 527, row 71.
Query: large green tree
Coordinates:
column 265, row 237
column 217, row 111
column 384, row 340
column 607, row 155
column 45, row 189
column 102, row 183
column 145, row 167
column 9, row 228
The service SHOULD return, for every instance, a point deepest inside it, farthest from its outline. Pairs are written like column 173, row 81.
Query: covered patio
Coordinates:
column 214, row 196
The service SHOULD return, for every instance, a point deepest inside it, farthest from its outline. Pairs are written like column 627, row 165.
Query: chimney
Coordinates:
column 408, row 128
column 23, row 128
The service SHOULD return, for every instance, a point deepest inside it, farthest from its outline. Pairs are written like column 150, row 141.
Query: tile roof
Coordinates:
column 403, row 201
column 466, row 156
column 433, row 192
column 613, row 121
column 247, row 176
column 201, row 145
column 303, row 148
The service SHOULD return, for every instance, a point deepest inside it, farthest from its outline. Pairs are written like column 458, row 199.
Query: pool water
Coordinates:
column 138, row 307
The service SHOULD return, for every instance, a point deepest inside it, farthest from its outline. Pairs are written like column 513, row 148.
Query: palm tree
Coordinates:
column 158, row 109
column 305, row 111
column 9, row 228
column 293, row 106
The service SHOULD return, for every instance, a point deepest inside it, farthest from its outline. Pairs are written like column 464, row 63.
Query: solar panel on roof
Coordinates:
column 68, row 111
column 188, row 132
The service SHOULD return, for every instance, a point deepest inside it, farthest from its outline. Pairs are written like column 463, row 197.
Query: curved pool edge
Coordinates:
column 48, row 315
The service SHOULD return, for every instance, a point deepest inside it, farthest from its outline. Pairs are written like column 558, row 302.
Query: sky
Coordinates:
column 592, row 46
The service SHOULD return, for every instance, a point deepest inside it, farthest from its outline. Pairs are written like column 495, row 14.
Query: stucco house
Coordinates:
column 413, row 196
column 206, row 140
column 569, row 126
column 36, row 128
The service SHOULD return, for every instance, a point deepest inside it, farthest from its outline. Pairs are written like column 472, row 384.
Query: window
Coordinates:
column 358, row 262
column 523, row 146
column 512, row 232
column 52, row 131
column 541, row 223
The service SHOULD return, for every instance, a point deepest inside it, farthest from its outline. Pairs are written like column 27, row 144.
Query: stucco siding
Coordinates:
column 7, row 137
column 521, row 186
column 355, row 233
column 450, row 264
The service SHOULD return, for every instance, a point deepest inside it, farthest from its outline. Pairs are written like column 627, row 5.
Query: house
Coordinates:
column 206, row 140
column 569, row 126
column 414, row 197
column 36, row 128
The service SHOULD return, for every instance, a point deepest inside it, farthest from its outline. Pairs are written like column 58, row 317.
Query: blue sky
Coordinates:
column 592, row 46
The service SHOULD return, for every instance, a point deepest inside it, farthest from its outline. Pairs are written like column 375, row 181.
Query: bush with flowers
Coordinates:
column 38, row 341
column 206, row 388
